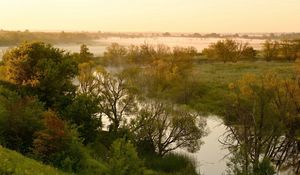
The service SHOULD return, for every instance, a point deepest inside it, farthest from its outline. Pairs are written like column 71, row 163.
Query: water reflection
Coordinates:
column 262, row 116
column 210, row 159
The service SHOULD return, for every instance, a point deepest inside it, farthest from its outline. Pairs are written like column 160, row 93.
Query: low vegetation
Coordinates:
column 12, row 162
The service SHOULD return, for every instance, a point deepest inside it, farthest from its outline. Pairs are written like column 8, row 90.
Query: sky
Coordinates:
column 222, row 16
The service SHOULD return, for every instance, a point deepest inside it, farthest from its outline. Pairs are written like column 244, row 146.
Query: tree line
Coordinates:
column 227, row 50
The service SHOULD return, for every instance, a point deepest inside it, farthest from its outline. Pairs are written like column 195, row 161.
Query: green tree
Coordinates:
column 20, row 118
column 289, row 50
column 58, row 144
column 115, row 54
column 124, row 160
column 86, row 79
column 85, row 54
column 83, row 112
column 229, row 51
column 48, row 71
column 270, row 50
column 262, row 115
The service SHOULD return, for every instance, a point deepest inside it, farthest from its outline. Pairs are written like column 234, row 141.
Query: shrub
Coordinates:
column 124, row 159
column 20, row 118
column 171, row 163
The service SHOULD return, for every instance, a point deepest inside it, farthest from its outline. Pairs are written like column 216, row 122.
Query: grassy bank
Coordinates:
column 14, row 163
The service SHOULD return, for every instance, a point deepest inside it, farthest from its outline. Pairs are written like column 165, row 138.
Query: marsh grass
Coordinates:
column 214, row 78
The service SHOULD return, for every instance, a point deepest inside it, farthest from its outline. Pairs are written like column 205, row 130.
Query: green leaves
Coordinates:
column 124, row 160
column 48, row 71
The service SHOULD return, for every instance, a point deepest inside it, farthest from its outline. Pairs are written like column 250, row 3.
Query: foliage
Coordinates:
column 54, row 138
column 171, row 163
column 59, row 146
column 86, row 79
column 287, row 50
column 117, row 102
column 168, row 128
column 10, row 38
column 37, row 64
column 84, row 55
column 12, row 162
column 124, row 160
column 115, row 54
column 236, row 166
column 144, row 54
column 20, row 118
column 261, row 117
column 83, row 112
column 229, row 51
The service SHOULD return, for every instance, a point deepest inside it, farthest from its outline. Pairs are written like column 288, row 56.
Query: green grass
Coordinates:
column 215, row 77
column 229, row 72
column 13, row 163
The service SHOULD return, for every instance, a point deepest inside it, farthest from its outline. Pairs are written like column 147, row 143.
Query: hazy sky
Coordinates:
column 152, row 15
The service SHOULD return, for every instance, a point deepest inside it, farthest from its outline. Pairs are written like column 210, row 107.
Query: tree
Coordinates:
column 168, row 128
column 117, row 102
column 53, row 139
column 58, row 144
column 86, row 79
column 285, row 50
column 115, row 54
column 289, row 50
column 83, row 112
column 124, row 160
column 20, row 118
column 170, row 77
column 48, row 71
column 85, row 54
column 261, row 117
column 229, row 50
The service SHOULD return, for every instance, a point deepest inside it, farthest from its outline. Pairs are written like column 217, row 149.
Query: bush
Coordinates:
column 20, row 118
column 124, row 159
column 171, row 163
column 59, row 145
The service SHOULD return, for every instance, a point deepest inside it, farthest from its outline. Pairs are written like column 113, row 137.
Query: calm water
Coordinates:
column 210, row 158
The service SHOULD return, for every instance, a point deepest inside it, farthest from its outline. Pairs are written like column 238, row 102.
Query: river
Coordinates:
column 210, row 159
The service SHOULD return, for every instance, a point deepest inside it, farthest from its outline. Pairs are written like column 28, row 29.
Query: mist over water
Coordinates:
column 98, row 48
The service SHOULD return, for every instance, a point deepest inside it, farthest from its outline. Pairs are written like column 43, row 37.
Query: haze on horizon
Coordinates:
column 152, row 15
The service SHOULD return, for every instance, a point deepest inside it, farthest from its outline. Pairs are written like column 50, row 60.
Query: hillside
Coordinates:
column 14, row 163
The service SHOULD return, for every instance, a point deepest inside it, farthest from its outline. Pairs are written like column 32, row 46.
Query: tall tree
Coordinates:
column 261, row 118
column 271, row 50
column 117, row 101
column 85, row 54
column 46, row 70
